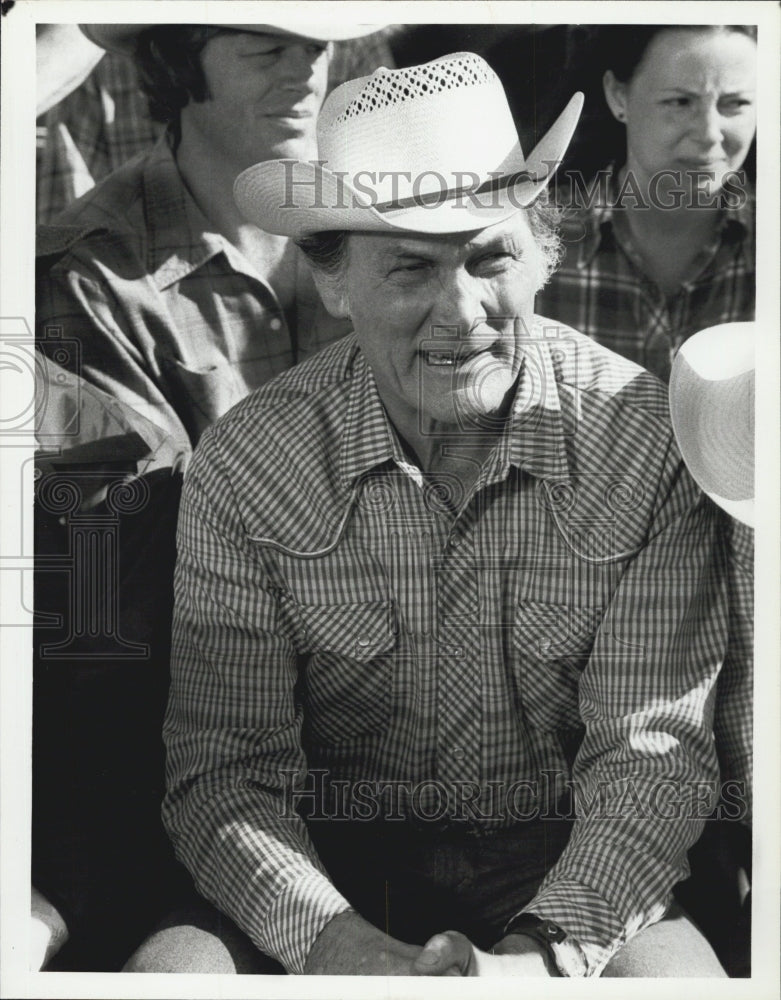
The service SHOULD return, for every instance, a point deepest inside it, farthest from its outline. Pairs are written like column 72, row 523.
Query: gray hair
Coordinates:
column 327, row 251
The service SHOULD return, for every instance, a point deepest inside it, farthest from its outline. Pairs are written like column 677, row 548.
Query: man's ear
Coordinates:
column 333, row 292
column 615, row 95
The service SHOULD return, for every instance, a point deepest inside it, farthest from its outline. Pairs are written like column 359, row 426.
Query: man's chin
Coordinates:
column 484, row 394
column 293, row 143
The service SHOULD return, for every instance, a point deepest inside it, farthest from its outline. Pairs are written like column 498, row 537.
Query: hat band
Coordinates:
column 429, row 198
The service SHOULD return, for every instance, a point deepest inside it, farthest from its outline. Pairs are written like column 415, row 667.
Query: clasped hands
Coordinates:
column 349, row 945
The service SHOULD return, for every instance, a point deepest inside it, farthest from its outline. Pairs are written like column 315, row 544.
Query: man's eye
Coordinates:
column 494, row 262
column 733, row 105
column 676, row 102
column 418, row 265
column 315, row 51
column 268, row 55
column 414, row 273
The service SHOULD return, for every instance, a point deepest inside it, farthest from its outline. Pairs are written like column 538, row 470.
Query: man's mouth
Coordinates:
column 444, row 358
column 440, row 359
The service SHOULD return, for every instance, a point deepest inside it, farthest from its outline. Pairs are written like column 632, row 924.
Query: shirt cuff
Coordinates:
column 586, row 917
column 298, row 915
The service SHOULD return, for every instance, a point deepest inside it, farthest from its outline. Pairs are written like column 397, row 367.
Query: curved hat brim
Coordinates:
column 712, row 413
column 122, row 38
column 297, row 197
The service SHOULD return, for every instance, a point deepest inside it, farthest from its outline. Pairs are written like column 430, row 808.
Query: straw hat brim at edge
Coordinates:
column 317, row 200
column 122, row 38
column 712, row 412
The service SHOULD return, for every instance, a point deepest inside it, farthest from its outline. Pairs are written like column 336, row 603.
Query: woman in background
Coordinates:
column 660, row 243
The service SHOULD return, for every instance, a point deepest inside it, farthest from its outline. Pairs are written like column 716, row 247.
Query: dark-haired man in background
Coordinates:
column 180, row 305
column 177, row 308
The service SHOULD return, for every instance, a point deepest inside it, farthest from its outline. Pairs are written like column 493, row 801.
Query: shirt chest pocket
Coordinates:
column 551, row 646
column 348, row 679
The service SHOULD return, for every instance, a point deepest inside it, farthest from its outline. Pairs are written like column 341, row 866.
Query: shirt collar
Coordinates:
column 533, row 439
column 181, row 238
column 739, row 219
column 368, row 439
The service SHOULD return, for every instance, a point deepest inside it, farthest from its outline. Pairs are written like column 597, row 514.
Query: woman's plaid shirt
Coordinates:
column 602, row 290
column 337, row 611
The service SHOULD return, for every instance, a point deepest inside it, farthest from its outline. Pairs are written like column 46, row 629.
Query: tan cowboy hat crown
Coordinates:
column 123, row 38
column 430, row 148
column 712, row 410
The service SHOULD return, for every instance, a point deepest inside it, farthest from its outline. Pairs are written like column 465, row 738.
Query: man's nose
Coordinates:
column 458, row 304
column 297, row 64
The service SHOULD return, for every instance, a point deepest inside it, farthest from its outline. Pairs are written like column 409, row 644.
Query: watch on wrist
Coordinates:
column 563, row 951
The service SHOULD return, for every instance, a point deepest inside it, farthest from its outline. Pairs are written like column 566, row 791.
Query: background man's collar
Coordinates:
column 181, row 239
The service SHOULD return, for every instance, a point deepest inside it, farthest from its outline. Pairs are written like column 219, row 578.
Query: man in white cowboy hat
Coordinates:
column 443, row 665
column 180, row 304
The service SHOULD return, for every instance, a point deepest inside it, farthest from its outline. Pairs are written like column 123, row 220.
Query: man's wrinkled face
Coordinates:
column 441, row 319
column 266, row 91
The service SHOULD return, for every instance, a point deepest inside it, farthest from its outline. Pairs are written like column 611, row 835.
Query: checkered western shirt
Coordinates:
column 337, row 610
column 733, row 724
column 105, row 122
column 159, row 310
column 601, row 288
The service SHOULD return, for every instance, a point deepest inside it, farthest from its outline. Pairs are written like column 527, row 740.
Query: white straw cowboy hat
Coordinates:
column 123, row 38
column 429, row 148
column 712, row 409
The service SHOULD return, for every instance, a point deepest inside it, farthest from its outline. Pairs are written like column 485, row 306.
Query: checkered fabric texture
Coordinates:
column 602, row 290
column 733, row 725
column 335, row 609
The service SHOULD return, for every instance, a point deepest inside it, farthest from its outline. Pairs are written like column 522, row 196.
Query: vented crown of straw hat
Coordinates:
column 431, row 148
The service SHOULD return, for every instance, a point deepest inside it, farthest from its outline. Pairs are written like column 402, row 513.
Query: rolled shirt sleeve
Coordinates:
column 233, row 730
column 646, row 775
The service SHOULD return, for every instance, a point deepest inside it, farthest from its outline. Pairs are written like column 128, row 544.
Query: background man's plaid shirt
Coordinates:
column 170, row 317
column 578, row 585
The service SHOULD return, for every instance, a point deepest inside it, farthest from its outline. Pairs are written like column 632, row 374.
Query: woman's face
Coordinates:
column 690, row 106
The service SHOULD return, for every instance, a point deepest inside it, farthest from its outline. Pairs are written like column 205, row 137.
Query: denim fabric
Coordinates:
column 414, row 883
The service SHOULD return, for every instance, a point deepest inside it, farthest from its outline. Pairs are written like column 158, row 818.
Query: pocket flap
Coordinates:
column 555, row 630
column 358, row 631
